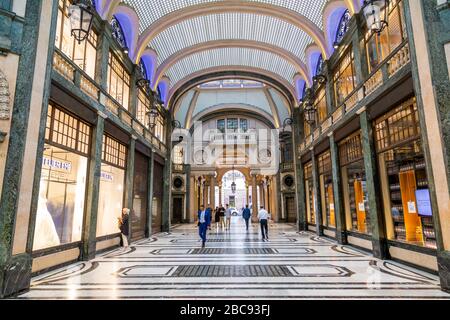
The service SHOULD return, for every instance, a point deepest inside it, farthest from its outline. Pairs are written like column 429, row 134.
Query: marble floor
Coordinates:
column 236, row 265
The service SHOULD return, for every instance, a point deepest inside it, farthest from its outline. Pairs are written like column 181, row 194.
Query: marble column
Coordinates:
column 192, row 199
column 89, row 234
column 276, row 212
column 254, row 197
column 15, row 270
column 212, row 192
column 102, row 62
column 341, row 235
column 166, row 207
column 204, row 194
column 428, row 28
column 298, row 134
column 247, row 193
column 379, row 242
column 129, row 180
column 316, row 187
column 220, row 194
column 151, row 167
column 261, row 195
column 266, row 195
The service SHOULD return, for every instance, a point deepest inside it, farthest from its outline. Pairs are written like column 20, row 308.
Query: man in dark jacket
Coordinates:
column 204, row 220
column 246, row 214
column 124, row 226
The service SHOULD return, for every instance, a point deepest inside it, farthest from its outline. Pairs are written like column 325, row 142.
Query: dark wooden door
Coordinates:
column 177, row 209
column 290, row 209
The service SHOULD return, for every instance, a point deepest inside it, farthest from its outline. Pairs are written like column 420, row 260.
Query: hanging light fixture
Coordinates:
column 309, row 113
column 152, row 116
column 142, row 83
column 376, row 14
column 81, row 16
column 233, row 184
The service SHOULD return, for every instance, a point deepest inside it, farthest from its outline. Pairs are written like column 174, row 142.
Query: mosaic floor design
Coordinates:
column 236, row 265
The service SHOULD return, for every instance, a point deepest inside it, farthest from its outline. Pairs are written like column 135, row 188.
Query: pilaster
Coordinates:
column 297, row 129
column 93, row 188
column 151, row 167
column 337, row 192
column 379, row 241
column 129, row 180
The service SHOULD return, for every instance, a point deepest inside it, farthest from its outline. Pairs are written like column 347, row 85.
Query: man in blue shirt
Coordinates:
column 204, row 220
column 246, row 214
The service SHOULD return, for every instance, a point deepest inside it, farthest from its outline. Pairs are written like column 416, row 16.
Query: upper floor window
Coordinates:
column 320, row 104
column 143, row 107
column 159, row 130
column 117, row 33
column 344, row 78
column 178, row 155
column 232, row 125
column 84, row 54
column 319, row 66
column 118, row 81
column 342, row 27
column 243, row 125
column 380, row 46
column 221, row 125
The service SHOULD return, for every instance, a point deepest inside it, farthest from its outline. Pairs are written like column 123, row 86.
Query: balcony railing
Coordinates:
column 398, row 59
column 70, row 71
column 288, row 166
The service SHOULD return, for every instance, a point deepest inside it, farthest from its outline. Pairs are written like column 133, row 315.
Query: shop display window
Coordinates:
column 354, row 184
column 326, row 190
column 344, row 78
column 380, row 46
column 118, row 81
column 404, row 180
column 112, row 186
column 84, row 54
column 59, row 218
column 310, row 197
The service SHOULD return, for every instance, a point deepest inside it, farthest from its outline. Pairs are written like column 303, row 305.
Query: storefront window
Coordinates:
column 379, row 46
column 112, row 181
column 118, row 81
column 84, row 54
column 320, row 104
column 344, row 78
column 59, row 217
column 221, row 125
column 354, row 184
column 326, row 190
column 310, row 197
column 404, row 181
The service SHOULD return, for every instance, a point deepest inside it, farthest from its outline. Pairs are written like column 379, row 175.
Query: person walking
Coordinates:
column 222, row 216
column 246, row 214
column 263, row 217
column 124, row 226
column 228, row 214
column 204, row 221
column 217, row 218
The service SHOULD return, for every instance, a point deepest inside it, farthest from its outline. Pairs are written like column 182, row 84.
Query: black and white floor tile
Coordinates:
column 236, row 265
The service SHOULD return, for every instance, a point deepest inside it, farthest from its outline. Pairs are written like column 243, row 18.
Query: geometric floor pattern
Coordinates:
column 236, row 264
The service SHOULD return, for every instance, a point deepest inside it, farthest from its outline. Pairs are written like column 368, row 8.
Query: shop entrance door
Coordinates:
column 290, row 209
column 177, row 209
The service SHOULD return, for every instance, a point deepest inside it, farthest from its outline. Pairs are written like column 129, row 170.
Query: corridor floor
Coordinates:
column 236, row 265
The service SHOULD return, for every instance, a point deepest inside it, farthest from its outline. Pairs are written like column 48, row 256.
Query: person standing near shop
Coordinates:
column 222, row 216
column 263, row 217
column 228, row 214
column 124, row 226
column 217, row 217
column 204, row 221
column 246, row 214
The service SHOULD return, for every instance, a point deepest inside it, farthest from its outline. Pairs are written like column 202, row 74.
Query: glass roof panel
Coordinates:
column 231, row 57
column 231, row 26
column 150, row 11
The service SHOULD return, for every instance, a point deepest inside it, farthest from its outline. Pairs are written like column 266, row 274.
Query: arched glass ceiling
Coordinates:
column 231, row 26
column 231, row 57
column 150, row 11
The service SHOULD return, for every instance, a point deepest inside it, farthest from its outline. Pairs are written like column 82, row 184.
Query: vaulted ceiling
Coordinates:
column 180, row 39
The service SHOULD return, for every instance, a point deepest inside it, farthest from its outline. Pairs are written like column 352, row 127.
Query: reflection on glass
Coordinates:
column 110, row 202
column 59, row 217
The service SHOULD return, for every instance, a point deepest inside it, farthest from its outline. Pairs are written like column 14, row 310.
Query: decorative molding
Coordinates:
column 5, row 98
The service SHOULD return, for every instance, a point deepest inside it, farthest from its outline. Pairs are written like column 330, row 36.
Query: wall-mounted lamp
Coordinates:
column 376, row 14
column 81, row 16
